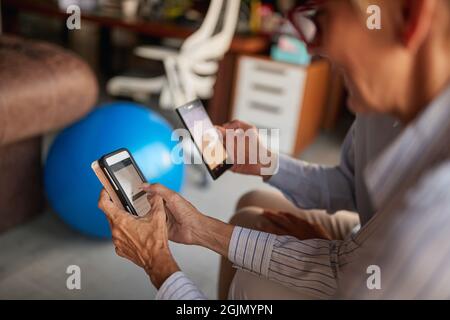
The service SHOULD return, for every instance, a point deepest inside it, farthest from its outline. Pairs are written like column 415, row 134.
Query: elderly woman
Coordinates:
column 401, row 70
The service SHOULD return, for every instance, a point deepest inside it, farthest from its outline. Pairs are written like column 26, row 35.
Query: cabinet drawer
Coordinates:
column 269, row 95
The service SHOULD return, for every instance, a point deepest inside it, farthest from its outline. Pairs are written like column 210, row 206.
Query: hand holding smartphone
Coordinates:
column 205, row 136
column 122, row 179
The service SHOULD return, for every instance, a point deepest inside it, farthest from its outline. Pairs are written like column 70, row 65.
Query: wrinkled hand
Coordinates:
column 247, row 161
column 184, row 220
column 142, row 240
column 285, row 223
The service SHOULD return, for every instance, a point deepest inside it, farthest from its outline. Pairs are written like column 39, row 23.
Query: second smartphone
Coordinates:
column 205, row 136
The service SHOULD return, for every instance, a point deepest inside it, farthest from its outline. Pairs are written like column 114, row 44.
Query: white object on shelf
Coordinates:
column 82, row 4
column 269, row 95
column 130, row 8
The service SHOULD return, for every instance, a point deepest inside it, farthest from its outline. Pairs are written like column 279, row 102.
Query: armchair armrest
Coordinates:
column 42, row 88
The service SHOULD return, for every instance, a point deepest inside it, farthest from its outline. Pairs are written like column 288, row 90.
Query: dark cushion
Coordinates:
column 42, row 88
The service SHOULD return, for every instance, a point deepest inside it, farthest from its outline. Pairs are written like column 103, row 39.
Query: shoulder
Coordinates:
column 432, row 188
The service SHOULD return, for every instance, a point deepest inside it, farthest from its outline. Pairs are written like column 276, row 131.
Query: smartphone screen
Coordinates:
column 126, row 174
column 205, row 136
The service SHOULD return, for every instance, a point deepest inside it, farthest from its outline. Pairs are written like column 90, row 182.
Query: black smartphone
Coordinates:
column 125, row 178
column 205, row 137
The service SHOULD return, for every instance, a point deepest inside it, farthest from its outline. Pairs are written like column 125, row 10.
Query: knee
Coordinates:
column 249, row 199
column 248, row 286
column 247, row 217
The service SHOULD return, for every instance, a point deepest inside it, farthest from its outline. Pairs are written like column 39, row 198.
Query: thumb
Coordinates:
column 160, row 190
column 107, row 206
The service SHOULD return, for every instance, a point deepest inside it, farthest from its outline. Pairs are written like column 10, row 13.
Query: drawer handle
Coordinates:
column 268, row 89
column 265, row 107
column 269, row 69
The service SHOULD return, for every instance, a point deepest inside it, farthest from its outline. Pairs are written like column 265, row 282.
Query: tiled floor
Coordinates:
column 35, row 256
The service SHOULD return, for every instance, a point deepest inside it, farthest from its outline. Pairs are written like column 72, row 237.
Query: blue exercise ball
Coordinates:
column 72, row 187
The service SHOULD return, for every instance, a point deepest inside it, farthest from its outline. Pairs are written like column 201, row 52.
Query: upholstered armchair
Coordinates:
column 42, row 88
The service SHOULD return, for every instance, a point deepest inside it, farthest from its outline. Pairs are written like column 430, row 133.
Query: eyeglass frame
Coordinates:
column 307, row 6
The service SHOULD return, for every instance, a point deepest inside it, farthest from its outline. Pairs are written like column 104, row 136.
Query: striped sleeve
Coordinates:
column 179, row 287
column 309, row 266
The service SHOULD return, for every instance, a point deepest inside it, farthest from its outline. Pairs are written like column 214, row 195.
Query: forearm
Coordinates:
column 300, row 182
column 164, row 267
column 310, row 266
column 311, row 186
column 214, row 235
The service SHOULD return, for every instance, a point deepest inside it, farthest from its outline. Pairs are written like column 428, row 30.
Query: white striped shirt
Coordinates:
column 179, row 287
column 409, row 236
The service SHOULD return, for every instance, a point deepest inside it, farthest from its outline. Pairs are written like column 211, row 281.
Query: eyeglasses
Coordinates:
column 304, row 19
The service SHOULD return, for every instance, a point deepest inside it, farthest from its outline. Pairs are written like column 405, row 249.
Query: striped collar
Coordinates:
column 419, row 146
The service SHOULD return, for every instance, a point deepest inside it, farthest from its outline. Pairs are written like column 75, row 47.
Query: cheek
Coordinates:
column 339, row 30
column 364, row 70
column 370, row 85
column 331, row 45
column 348, row 44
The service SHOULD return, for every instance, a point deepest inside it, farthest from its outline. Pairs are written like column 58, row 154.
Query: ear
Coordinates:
column 417, row 17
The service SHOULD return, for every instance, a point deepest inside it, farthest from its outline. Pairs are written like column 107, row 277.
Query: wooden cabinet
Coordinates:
column 277, row 95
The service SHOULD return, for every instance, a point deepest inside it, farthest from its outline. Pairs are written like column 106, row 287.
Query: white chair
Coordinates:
column 191, row 71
